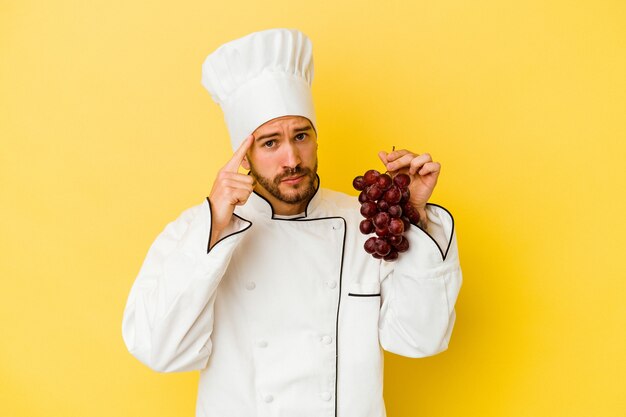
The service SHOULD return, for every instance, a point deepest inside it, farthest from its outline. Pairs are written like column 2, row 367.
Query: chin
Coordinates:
column 297, row 193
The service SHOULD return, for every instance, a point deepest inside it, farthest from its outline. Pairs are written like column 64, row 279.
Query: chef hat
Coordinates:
column 260, row 77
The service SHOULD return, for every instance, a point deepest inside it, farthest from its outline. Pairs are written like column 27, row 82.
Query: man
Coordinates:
column 265, row 287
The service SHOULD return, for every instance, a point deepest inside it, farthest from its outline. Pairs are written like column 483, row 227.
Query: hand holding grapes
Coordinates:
column 420, row 168
column 388, row 203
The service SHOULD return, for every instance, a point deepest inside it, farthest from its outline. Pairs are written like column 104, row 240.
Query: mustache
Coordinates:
column 290, row 172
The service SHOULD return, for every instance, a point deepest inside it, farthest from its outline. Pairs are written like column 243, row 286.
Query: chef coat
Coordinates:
column 287, row 316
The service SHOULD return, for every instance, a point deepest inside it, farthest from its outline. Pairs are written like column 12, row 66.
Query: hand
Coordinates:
column 422, row 170
column 230, row 189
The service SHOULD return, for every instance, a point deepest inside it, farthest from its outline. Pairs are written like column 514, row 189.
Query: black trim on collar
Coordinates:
column 306, row 209
column 443, row 255
column 208, row 245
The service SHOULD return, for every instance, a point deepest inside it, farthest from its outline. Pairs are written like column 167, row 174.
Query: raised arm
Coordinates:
column 168, row 318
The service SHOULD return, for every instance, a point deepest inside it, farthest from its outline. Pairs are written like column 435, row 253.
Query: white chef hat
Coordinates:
column 259, row 77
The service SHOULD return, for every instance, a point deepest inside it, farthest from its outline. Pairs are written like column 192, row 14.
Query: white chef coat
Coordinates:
column 287, row 317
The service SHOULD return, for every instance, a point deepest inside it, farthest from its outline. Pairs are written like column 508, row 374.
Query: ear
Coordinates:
column 245, row 163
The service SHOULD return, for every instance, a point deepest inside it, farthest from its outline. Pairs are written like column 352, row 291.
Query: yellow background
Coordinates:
column 107, row 135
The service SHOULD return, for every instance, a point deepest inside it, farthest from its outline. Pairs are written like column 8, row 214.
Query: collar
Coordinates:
column 257, row 205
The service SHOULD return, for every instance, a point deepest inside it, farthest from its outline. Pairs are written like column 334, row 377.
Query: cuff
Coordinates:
column 236, row 226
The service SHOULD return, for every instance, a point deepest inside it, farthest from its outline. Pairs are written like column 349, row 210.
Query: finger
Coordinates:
column 236, row 176
column 239, row 197
column 430, row 168
column 240, row 153
column 401, row 162
column 392, row 156
column 417, row 163
column 383, row 157
column 235, row 184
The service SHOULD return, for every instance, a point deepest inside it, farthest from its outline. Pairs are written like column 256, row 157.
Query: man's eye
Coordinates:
column 301, row 136
column 268, row 144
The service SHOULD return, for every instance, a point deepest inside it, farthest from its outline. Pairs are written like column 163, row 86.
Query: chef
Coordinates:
column 264, row 287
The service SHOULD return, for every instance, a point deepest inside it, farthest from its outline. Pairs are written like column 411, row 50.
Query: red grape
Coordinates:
column 406, row 194
column 402, row 180
column 370, row 245
column 395, row 240
column 393, row 195
column 381, row 232
column 358, row 183
column 396, row 227
column 403, row 246
column 362, row 197
column 394, row 211
column 391, row 256
column 374, row 192
column 366, row 226
column 382, row 247
column 382, row 205
column 384, row 181
column 371, row 176
column 381, row 220
column 368, row 209
column 411, row 213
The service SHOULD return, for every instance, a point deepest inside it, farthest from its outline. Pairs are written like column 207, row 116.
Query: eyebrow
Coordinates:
column 271, row 135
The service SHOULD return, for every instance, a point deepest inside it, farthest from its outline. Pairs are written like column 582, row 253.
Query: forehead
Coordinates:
column 283, row 121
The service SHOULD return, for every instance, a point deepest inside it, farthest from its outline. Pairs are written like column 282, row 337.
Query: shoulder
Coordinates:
column 198, row 214
column 339, row 203
column 201, row 209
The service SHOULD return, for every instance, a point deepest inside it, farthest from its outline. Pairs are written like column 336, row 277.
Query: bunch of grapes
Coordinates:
column 387, row 211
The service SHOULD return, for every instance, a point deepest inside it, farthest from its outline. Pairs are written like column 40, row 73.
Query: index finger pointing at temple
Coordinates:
column 240, row 153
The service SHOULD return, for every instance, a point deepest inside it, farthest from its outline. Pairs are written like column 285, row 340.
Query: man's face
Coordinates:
column 283, row 159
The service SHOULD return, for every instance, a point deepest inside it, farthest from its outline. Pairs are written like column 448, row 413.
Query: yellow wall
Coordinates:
column 107, row 135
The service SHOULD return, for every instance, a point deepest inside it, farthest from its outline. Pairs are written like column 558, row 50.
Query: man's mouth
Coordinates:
column 293, row 180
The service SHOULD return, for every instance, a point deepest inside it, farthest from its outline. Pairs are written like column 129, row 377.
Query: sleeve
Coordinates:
column 168, row 317
column 420, row 289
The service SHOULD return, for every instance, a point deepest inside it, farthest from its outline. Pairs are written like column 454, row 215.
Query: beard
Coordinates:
column 303, row 191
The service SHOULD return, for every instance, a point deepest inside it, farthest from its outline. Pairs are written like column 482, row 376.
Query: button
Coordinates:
column 250, row 285
column 268, row 399
column 326, row 396
column 331, row 284
column 262, row 343
column 327, row 340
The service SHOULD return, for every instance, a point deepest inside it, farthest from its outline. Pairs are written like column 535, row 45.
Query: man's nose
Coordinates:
column 292, row 156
